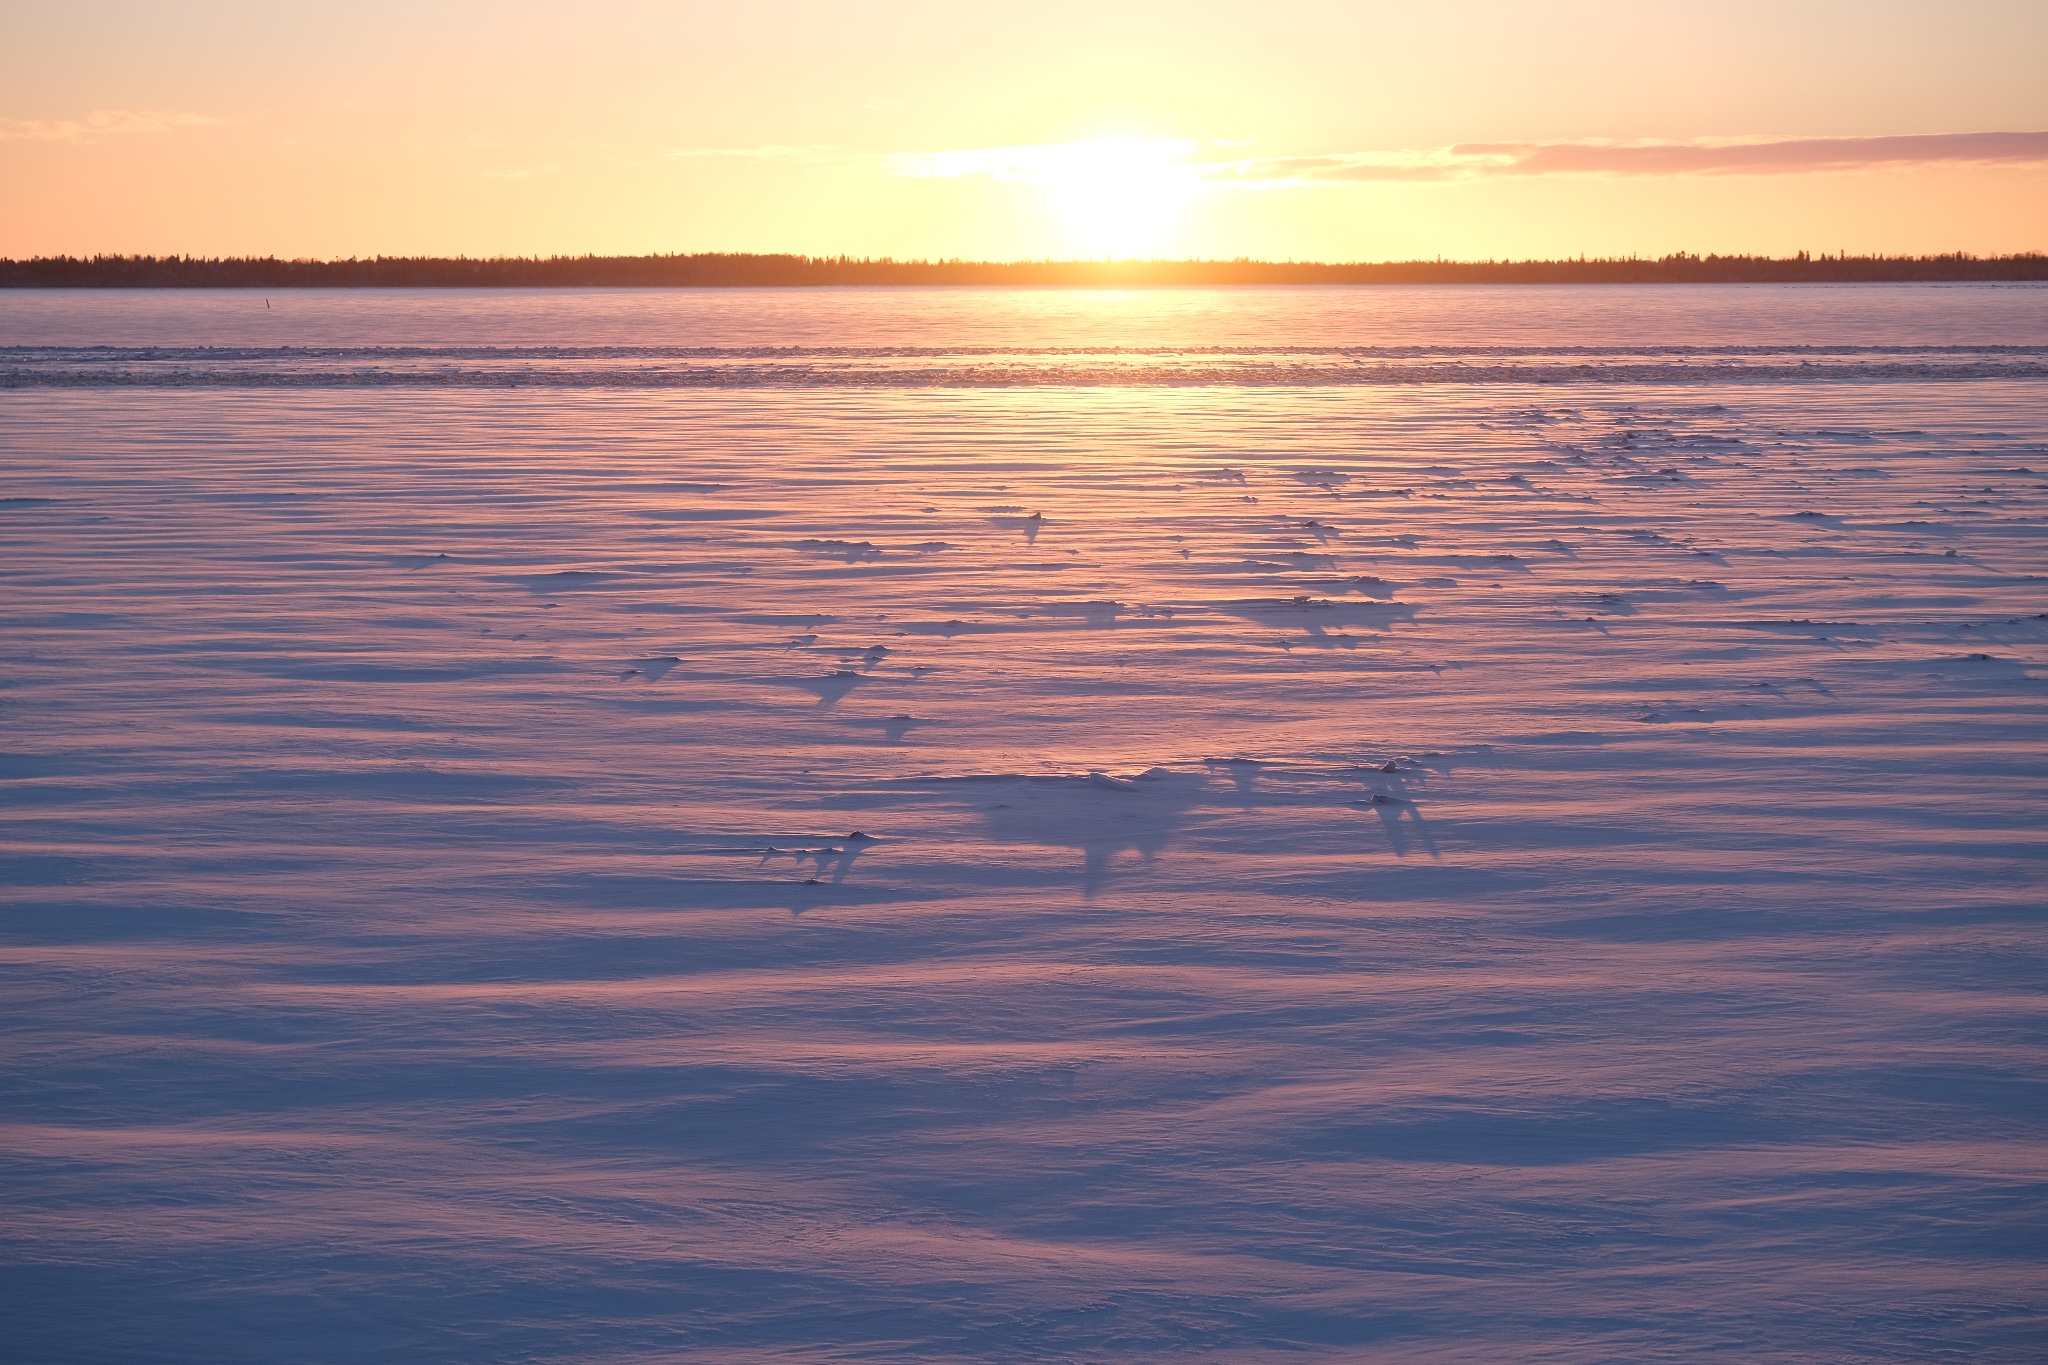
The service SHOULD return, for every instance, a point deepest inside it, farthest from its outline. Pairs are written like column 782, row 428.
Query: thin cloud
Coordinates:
column 1035, row 162
column 1706, row 156
column 105, row 121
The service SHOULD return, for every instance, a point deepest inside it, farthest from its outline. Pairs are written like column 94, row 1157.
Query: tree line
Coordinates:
column 724, row 269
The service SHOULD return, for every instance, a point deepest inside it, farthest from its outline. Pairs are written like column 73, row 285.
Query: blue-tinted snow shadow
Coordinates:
column 1104, row 816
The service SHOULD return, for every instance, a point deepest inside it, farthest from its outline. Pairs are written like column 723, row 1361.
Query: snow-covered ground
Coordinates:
column 1073, row 871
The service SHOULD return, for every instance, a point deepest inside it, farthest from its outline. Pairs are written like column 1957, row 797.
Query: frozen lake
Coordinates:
column 1450, row 824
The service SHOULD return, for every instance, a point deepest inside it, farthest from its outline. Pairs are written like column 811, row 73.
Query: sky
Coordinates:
column 1306, row 130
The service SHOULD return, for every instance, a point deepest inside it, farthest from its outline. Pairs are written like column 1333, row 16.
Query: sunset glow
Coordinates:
column 1324, row 131
column 1143, row 682
column 1115, row 196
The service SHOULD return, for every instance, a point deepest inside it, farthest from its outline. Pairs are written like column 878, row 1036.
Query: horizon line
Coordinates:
column 788, row 270
column 846, row 258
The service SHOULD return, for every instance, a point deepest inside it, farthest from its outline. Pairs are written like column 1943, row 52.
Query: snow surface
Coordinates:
column 999, row 869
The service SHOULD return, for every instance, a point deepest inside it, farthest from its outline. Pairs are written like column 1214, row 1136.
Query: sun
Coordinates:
column 1119, row 196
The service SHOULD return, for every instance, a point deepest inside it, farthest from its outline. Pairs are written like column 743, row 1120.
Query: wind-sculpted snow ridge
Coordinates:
column 1415, row 872
column 657, row 367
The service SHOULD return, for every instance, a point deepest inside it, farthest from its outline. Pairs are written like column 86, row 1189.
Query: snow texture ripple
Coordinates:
column 1412, row 871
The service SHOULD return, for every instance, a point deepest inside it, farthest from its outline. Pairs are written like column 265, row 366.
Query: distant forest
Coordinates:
column 734, row 270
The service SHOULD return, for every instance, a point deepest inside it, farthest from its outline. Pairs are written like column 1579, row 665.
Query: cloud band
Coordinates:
column 1711, row 156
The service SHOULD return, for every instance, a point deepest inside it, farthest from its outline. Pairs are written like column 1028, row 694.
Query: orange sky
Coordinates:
column 1307, row 130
